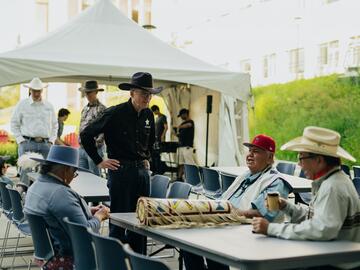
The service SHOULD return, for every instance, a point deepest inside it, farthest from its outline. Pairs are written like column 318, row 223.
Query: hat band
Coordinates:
column 313, row 145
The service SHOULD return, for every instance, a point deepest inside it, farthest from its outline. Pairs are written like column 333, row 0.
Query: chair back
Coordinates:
column 346, row 169
column 287, row 168
column 16, row 204
column 109, row 252
column 158, row 186
column 141, row 262
column 302, row 174
column 226, row 180
column 5, row 197
column 356, row 170
column 84, row 257
column 43, row 249
column 179, row 190
column 192, row 174
column 211, row 182
column 356, row 182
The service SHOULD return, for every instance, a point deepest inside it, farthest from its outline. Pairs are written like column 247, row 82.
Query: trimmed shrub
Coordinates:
column 283, row 110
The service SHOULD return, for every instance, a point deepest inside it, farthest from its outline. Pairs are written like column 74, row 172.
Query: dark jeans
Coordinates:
column 195, row 262
column 31, row 146
column 126, row 185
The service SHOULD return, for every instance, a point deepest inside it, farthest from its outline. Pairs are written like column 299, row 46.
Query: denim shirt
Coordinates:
column 53, row 200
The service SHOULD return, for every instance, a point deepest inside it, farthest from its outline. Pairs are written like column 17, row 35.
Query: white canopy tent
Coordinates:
column 103, row 44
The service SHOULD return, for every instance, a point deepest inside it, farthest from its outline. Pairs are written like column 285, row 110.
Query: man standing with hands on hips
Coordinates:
column 129, row 132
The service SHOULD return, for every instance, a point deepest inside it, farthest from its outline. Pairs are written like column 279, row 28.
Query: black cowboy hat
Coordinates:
column 141, row 80
column 90, row 86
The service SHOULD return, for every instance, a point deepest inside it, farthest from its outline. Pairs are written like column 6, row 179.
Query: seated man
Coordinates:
column 52, row 198
column 335, row 207
column 249, row 190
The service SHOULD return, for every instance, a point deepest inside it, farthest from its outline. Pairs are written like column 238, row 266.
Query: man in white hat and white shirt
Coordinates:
column 334, row 211
column 34, row 123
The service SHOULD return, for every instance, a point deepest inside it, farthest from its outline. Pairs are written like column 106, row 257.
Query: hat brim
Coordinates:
column 35, row 88
column 297, row 145
column 87, row 90
column 42, row 161
column 254, row 145
column 129, row 86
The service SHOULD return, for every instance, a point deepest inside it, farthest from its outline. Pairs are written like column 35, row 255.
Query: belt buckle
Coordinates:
column 38, row 139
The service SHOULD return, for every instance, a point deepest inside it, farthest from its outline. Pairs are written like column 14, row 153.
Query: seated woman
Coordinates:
column 3, row 177
column 52, row 198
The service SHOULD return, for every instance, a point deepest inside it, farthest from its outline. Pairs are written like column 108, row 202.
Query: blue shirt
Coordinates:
column 259, row 203
column 53, row 200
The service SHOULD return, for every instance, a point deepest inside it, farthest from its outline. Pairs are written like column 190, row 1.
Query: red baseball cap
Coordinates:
column 264, row 142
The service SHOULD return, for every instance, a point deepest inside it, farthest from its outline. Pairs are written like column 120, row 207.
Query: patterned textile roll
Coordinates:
column 179, row 213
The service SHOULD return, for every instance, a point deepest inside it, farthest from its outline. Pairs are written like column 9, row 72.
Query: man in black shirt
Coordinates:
column 161, row 127
column 129, row 132
column 186, row 142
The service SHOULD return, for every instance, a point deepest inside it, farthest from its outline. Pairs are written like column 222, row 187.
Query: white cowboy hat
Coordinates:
column 36, row 84
column 319, row 140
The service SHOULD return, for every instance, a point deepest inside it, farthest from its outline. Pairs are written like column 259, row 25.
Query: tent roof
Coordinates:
column 103, row 44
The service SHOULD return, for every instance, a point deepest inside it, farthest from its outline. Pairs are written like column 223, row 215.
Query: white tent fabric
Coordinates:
column 104, row 44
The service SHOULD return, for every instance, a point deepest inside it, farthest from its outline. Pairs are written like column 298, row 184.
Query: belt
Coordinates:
column 132, row 163
column 36, row 139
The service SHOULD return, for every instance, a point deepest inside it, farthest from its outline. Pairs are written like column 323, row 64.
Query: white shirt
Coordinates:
column 34, row 119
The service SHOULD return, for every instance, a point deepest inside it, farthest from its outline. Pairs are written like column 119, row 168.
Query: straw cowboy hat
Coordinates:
column 319, row 140
column 36, row 84
column 64, row 155
column 90, row 86
column 141, row 80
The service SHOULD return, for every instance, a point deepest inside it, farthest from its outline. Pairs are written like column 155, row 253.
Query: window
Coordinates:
column 269, row 65
column 330, row 1
column 42, row 13
column 353, row 57
column 328, row 56
column 135, row 10
column 147, row 12
column 296, row 61
column 245, row 66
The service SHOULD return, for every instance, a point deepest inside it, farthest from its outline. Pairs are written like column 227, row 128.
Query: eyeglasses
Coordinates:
column 144, row 94
column 307, row 157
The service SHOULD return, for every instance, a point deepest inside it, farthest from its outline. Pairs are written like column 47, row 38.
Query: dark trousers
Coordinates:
column 195, row 262
column 126, row 185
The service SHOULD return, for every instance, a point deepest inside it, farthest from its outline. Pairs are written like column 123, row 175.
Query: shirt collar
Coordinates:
column 94, row 104
column 316, row 184
column 253, row 177
column 31, row 101
column 132, row 109
column 57, row 178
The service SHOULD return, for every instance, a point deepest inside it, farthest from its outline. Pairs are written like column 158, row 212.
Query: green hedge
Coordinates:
column 9, row 149
column 283, row 110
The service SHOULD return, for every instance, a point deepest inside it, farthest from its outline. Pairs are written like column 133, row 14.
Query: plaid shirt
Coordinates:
column 88, row 114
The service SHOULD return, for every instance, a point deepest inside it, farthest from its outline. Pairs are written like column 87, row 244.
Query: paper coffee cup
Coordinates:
column 273, row 201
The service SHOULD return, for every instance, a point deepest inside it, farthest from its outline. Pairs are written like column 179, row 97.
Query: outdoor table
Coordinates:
column 89, row 186
column 299, row 184
column 237, row 246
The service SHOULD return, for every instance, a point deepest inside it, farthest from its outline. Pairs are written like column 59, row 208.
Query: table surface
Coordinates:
column 299, row 184
column 239, row 247
column 90, row 186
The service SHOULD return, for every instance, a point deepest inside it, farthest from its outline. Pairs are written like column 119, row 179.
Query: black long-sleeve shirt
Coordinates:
column 129, row 135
